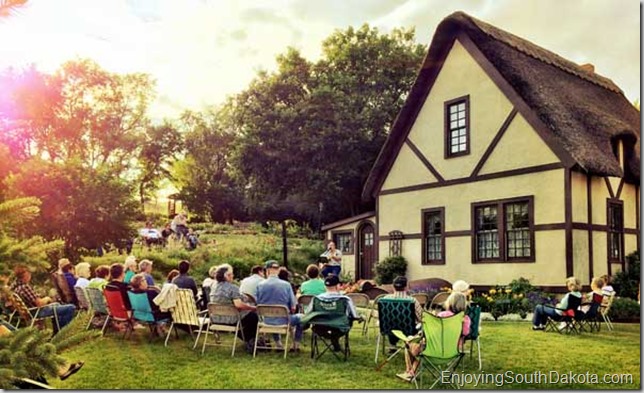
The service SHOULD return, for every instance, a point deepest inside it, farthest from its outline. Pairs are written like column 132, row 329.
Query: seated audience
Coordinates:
column 332, row 292
column 140, row 285
column 225, row 292
column 131, row 268
column 67, row 269
column 314, row 285
column 100, row 281
column 151, row 235
column 596, row 285
column 607, row 289
column 273, row 290
column 193, row 239
column 400, row 292
column 145, row 268
column 455, row 303
column 541, row 312
column 183, row 280
column 22, row 287
column 116, row 284
column 83, row 273
column 171, row 275
column 285, row 275
column 249, row 284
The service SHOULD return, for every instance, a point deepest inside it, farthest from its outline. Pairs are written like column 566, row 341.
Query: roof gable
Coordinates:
column 577, row 113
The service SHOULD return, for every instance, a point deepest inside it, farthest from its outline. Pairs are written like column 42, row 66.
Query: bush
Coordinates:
column 389, row 268
column 624, row 308
column 627, row 283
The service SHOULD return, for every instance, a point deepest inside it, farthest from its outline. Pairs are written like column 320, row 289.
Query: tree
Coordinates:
column 9, row 7
column 160, row 148
column 85, row 207
column 202, row 176
column 309, row 133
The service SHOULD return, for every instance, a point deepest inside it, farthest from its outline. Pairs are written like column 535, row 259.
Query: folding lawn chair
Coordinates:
column 185, row 313
column 329, row 322
column 33, row 314
column 81, row 296
column 372, row 314
column 263, row 327
column 588, row 320
column 394, row 314
column 363, row 306
column 604, row 310
column 142, row 312
column 442, row 354
column 422, row 298
column 567, row 318
column 227, row 311
column 437, row 301
column 98, row 307
column 474, row 312
column 117, row 311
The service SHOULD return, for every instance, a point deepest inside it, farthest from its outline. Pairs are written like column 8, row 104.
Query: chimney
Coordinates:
column 589, row 68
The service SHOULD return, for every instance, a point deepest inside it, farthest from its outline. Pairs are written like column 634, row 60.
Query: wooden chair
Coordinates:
column 33, row 314
column 272, row 311
column 222, row 310
column 186, row 313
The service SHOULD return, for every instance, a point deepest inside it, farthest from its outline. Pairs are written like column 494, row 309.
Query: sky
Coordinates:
column 200, row 51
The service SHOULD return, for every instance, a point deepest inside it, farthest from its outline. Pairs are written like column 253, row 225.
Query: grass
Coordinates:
column 111, row 363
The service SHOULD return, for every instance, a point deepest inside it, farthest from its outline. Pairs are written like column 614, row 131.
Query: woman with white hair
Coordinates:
column 131, row 268
column 83, row 273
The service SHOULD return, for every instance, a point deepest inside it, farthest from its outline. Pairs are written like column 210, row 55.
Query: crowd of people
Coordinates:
column 177, row 228
column 268, row 283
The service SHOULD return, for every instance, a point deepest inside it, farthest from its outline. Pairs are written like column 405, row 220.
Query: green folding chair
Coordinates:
column 474, row 312
column 442, row 354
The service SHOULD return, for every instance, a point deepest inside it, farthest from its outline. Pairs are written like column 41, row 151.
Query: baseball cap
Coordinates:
column 400, row 282
column 331, row 280
column 271, row 263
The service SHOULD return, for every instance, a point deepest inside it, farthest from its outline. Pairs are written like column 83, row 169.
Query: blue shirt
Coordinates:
column 276, row 291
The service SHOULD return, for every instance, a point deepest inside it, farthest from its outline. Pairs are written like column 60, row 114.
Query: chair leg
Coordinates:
column 255, row 343
column 205, row 337
column 107, row 318
column 288, row 331
column 377, row 347
column 235, row 339
column 167, row 336
column 91, row 318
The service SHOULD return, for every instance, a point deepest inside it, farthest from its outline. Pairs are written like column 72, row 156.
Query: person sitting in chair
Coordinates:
column 22, row 287
column 140, row 285
column 331, row 284
column 400, row 292
column 541, row 312
column 455, row 303
column 334, row 261
column 151, row 235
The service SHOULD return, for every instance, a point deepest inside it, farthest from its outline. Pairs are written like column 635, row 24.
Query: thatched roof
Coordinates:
column 577, row 112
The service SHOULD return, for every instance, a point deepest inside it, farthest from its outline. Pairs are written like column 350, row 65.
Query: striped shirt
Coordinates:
column 26, row 293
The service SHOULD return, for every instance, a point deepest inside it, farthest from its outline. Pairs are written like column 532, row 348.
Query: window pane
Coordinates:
column 433, row 236
column 487, row 232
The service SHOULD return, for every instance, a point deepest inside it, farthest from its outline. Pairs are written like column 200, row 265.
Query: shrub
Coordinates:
column 624, row 308
column 626, row 283
column 390, row 267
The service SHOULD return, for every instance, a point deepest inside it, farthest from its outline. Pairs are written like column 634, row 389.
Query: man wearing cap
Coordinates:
column 276, row 291
column 400, row 292
column 331, row 283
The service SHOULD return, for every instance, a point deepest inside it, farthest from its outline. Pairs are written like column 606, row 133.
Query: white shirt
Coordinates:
column 249, row 284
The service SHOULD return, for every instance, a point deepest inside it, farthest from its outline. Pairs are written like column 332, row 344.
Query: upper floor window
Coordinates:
column 615, row 231
column 457, row 127
column 503, row 231
column 433, row 236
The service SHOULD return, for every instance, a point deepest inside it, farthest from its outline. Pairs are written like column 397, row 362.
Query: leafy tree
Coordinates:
column 203, row 175
column 309, row 133
column 84, row 207
column 161, row 146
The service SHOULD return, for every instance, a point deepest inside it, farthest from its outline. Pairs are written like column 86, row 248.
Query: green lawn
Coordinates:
column 508, row 348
